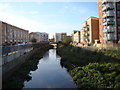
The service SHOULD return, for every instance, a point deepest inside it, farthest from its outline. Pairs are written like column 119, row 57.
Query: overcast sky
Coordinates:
column 49, row 17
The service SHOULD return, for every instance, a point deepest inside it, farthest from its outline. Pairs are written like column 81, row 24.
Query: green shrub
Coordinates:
column 97, row 75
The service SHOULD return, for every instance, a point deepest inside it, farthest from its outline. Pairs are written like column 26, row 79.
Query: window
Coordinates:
column 118, row 36
column 118, row 21
column 118, row 28
column 118, row 14
column 118, row 6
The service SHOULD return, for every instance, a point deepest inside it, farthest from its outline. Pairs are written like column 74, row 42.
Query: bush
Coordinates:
column 97, row 75
column 92, row 69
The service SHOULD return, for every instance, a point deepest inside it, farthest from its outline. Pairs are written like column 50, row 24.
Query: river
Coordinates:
column 50, row 73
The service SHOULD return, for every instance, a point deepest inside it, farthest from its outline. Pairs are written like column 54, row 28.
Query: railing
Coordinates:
column 108, row 30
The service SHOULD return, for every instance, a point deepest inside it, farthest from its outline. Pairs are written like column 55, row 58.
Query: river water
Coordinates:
column 50, row 73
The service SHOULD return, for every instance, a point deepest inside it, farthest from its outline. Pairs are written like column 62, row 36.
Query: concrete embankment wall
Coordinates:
column 12, row 57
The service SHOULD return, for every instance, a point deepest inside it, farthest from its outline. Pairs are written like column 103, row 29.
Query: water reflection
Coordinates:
column 50, row 74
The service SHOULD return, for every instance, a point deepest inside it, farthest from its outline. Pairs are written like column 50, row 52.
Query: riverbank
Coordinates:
column 92, row 69
column 16, row 80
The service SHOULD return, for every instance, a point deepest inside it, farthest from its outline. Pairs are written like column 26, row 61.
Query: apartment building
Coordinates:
column 90, row 31
column 33, row 35
column 82, row 36
column 40, row 37
column 43, row 37
column 76, row 37
column 11, row 34
column 60, row 36
column 109, row 21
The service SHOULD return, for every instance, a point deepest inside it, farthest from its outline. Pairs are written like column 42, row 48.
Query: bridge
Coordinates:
column 53, row 44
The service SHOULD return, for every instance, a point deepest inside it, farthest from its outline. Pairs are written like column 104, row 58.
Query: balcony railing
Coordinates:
column 104, row 16
column 108, row 14
column 110, row 37
column 105, row 1
column 108, row 23
column 108, row 30
column 86, row 34
column 108, row 6
column 86, row 29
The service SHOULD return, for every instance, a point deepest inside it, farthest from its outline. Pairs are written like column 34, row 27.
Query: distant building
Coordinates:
column 82, row 36
column 90, row 31
column 76, row 37
column 11, row 34
column 43, row 37
column 34, row 35
column 60, row 36
column 109, row 21
column 40, row 37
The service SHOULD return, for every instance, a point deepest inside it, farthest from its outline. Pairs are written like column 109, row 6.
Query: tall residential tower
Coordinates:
column 109, row 21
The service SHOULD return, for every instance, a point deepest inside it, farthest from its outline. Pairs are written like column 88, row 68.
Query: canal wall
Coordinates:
column 12, row 57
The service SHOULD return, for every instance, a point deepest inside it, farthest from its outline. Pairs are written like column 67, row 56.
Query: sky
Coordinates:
column 49, row 17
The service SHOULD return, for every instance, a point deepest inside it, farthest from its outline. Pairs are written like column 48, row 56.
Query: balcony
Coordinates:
column 110, row 37
column 108, row 30
column 110, row 20
column 108, row 23
column 109, row 13
column 86, row 29
column 86, row 40
column 104, row 16
column 108, row 6
column 86, row 34
column 105, row 1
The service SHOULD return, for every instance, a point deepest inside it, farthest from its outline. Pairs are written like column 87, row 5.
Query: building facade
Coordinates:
column 40, row 37
column 60, row 36
column 76, row 37
column 109, row 21
column 11, row 34
column 43, row 37
column 90, row 31
column 82, row 36
column 34, row 35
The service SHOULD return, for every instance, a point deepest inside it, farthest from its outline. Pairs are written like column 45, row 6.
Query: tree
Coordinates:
column 67, row 40
column 34, row 40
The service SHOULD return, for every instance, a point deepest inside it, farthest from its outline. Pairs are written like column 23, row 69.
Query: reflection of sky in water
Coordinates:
column 50, row 74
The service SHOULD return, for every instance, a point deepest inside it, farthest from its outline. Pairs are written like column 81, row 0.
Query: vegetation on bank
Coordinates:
column 92, row 69
column 22, row 74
